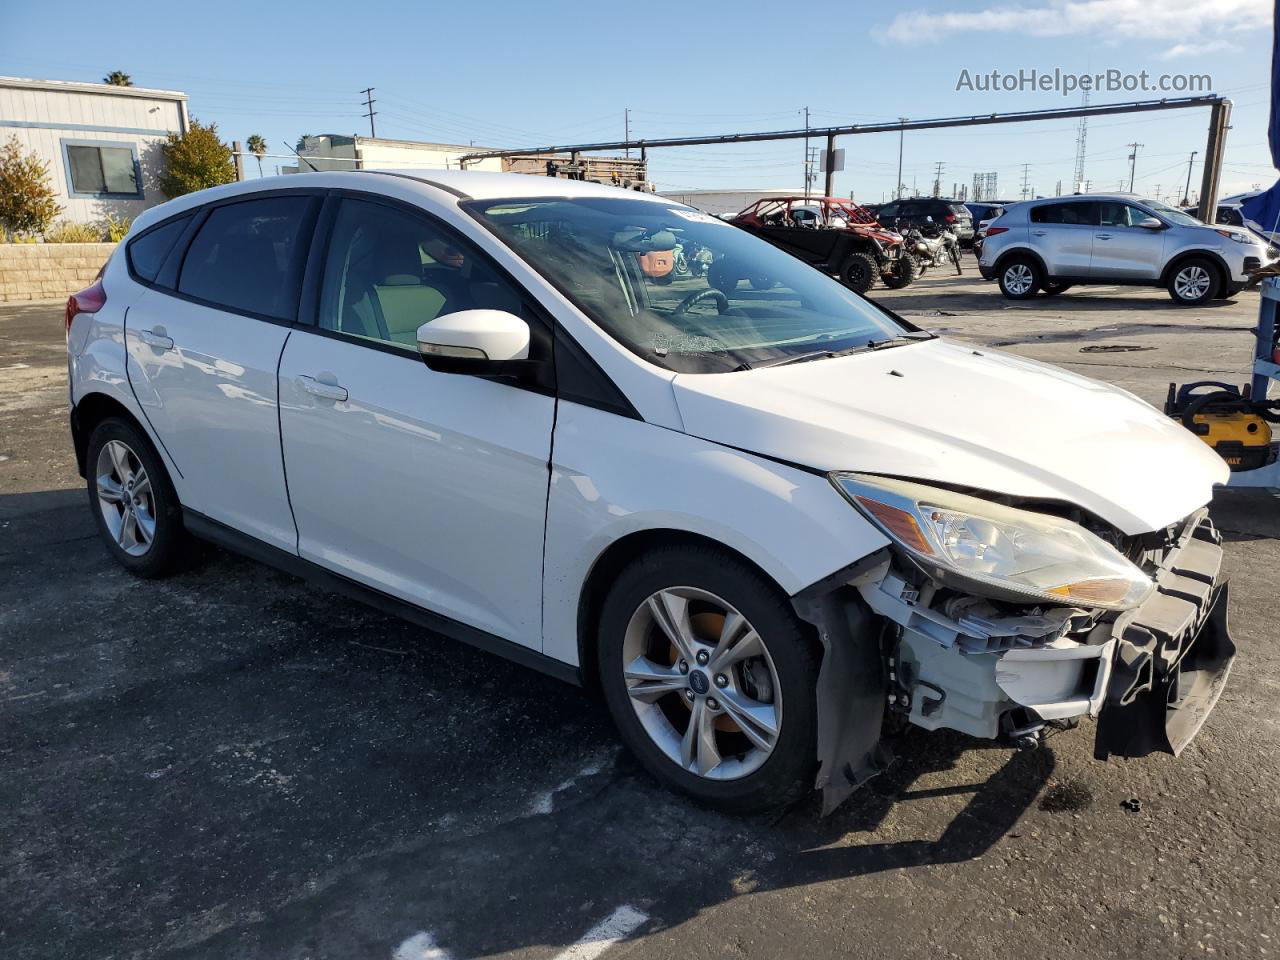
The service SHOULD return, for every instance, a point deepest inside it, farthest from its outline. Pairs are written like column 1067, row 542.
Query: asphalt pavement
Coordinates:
column 234, row 764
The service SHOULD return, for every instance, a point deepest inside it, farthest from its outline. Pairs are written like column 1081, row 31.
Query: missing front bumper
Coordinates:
column 1173, row 657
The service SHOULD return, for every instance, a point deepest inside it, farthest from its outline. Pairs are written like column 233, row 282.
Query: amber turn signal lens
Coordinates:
column 900, row 523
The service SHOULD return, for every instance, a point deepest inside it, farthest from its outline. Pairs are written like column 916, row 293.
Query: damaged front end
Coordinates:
column 990, row 664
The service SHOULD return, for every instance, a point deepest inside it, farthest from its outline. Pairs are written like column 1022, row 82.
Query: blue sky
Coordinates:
column 527, row 74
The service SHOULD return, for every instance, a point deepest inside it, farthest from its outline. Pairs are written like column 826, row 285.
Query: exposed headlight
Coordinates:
column 1007, row 550
column 1244, row 238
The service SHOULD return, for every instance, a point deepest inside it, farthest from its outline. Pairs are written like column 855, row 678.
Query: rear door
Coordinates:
column 203, row 345
column 1122, row 250
column 1062, row 233
column 431, row 487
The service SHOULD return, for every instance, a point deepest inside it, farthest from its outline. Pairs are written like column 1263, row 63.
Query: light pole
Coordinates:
column 897, row 187
column 1186, row 191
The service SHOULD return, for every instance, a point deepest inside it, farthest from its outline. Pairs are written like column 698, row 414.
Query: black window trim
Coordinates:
column 177, row 256
column 193, row 214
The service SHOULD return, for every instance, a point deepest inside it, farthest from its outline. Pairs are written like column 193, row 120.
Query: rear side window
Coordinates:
column 247, row 256
column 1079, row 214
column 147, row 253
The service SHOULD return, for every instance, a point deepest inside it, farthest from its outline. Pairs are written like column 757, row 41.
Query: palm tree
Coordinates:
column 258, row 147
column 118, row 78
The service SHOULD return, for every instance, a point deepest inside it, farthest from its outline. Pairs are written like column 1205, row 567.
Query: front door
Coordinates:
column 431, row 487
column 202, row 360
column 1121, row 248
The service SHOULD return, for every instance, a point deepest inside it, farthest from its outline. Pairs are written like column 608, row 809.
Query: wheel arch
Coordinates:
column 1224, row 272
column 1027, row 252
column 90, row 411
column 614, row 559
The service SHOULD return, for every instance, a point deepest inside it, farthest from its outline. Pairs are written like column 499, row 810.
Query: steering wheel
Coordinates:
column 722, row 302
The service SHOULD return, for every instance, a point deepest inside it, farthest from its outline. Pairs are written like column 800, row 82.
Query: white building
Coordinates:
column 336, row 152
column 102, row 142
column 728, row 202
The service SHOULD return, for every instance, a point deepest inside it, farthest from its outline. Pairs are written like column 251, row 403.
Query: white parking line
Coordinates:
column 421, row 946
column 605, row 934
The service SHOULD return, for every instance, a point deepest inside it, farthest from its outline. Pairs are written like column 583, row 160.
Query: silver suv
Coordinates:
column 1054, row 244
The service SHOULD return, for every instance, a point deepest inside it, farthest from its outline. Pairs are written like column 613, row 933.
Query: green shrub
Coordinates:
column 66, row 232
column 27, row 204
column 116, row 227
column 195, row 160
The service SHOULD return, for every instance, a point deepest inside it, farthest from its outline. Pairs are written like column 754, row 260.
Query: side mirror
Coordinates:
column 477, row 342
column 1150, row 223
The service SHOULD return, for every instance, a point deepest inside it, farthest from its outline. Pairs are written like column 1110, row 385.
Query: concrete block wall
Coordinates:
column 49, row 271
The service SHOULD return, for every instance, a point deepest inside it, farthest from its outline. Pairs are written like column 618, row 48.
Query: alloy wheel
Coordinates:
column 126, row 498
column 1192, row 282
column 702, row 682
column 1018, row 278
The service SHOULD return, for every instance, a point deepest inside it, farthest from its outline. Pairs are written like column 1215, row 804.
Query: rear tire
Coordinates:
column 719, row 277
column 1194, row 281
column 1020, row 278
column 655, row 701
column 905, row 271
column 133, row 501
column 859, row 272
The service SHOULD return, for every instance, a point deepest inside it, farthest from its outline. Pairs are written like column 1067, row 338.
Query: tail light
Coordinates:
column 88, row 300
column 993, row 231
column 950, row 218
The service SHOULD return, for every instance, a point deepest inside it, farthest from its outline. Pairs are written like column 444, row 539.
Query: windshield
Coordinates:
column 1170, row 214
column 683, row 289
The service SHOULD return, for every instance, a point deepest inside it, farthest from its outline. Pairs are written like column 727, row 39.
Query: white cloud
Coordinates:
column 1197, row 49
column 1104, row 20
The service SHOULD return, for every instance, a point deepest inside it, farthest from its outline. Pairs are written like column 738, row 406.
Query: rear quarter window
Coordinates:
column 148, row 251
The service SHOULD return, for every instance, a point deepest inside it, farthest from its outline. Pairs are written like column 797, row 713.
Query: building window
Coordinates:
column 101, row 169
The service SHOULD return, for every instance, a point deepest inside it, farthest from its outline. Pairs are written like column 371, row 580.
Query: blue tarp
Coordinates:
column 1264, row 209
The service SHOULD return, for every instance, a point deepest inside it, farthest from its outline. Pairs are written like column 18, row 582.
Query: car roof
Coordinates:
column 463, row 184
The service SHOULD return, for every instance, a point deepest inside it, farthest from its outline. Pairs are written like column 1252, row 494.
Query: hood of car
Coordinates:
column 944, row 412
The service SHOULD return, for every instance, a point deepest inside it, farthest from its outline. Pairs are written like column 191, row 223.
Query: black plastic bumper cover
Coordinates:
column 1173, row 658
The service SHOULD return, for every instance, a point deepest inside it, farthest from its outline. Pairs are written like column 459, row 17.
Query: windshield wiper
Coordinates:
column 897, row 341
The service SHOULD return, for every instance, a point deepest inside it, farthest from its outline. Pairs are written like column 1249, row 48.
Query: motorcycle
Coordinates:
column 933, row 245
column 692, row 259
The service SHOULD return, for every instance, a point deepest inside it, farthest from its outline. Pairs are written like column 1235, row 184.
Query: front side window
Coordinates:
column 101, row 170
column 626, row 264
column 1170, row 214
column 389, row 271
column 247, row 256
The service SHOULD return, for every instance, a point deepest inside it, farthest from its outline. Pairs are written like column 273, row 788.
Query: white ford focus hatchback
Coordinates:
column 769, row 520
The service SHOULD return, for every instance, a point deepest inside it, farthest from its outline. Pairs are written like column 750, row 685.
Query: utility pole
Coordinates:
column 1026, row 180
column 897, row 187
column 1186, row 191
column 806, row 154
column 626, row 127
column 368, row 105
column 937, row 178
column 1133, row 162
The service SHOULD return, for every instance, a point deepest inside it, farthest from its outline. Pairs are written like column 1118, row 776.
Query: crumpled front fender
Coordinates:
column 852, row 684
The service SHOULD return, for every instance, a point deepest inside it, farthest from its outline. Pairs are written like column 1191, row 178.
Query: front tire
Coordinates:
column 859, row 272
column 1193, row 282
column 133, row 501
column 711, row 679
column 1020, row 278
column 904, row 272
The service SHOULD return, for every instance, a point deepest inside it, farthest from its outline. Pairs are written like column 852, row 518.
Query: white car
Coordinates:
column 769, row 523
